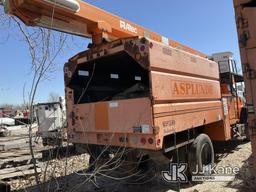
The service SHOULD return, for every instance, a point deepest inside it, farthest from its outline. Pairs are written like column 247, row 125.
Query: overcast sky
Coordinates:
column 205, row 25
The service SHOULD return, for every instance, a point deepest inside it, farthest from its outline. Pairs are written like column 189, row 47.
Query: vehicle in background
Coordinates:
column 7, row 121
column 7, row 112
column 23, row 117
column 51, row 118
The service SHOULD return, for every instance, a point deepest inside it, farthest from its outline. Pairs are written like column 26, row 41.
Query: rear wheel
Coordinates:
column 201, row 154
column 247, row 132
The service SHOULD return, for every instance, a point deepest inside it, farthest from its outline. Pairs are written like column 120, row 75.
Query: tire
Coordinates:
column 247, row 133
column 5, row 187
column 201, row 154
column 243, row 115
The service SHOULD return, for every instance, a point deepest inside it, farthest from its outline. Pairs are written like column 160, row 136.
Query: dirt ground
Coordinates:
column 235, row 156
column 232, row 153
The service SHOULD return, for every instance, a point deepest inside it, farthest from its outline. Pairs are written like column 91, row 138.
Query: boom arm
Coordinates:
column 80, row 18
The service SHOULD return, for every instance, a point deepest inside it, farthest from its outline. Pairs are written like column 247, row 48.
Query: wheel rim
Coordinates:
column 206, row 155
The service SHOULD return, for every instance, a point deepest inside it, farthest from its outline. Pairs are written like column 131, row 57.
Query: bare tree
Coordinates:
column 44, row 47
column 6, row 105
column 53, row 97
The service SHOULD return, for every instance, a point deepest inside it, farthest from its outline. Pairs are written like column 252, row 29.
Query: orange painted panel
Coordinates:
column 178, row 117
column 216, row 131
column 101, row 116
column 170, row 87
column 85, row 118
column 113, row 139
column 124, row 115
column 113, row 116
column 248, row 13
column 168, row 59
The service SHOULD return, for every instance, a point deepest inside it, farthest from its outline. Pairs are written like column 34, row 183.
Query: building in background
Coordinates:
column 7, row 112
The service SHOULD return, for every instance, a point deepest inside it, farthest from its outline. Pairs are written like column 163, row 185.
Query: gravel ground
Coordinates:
column 244, row 181
column 52, row 170
column 235, row 154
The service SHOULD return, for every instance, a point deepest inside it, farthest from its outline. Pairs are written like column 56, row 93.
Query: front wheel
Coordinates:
column 201, row 154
